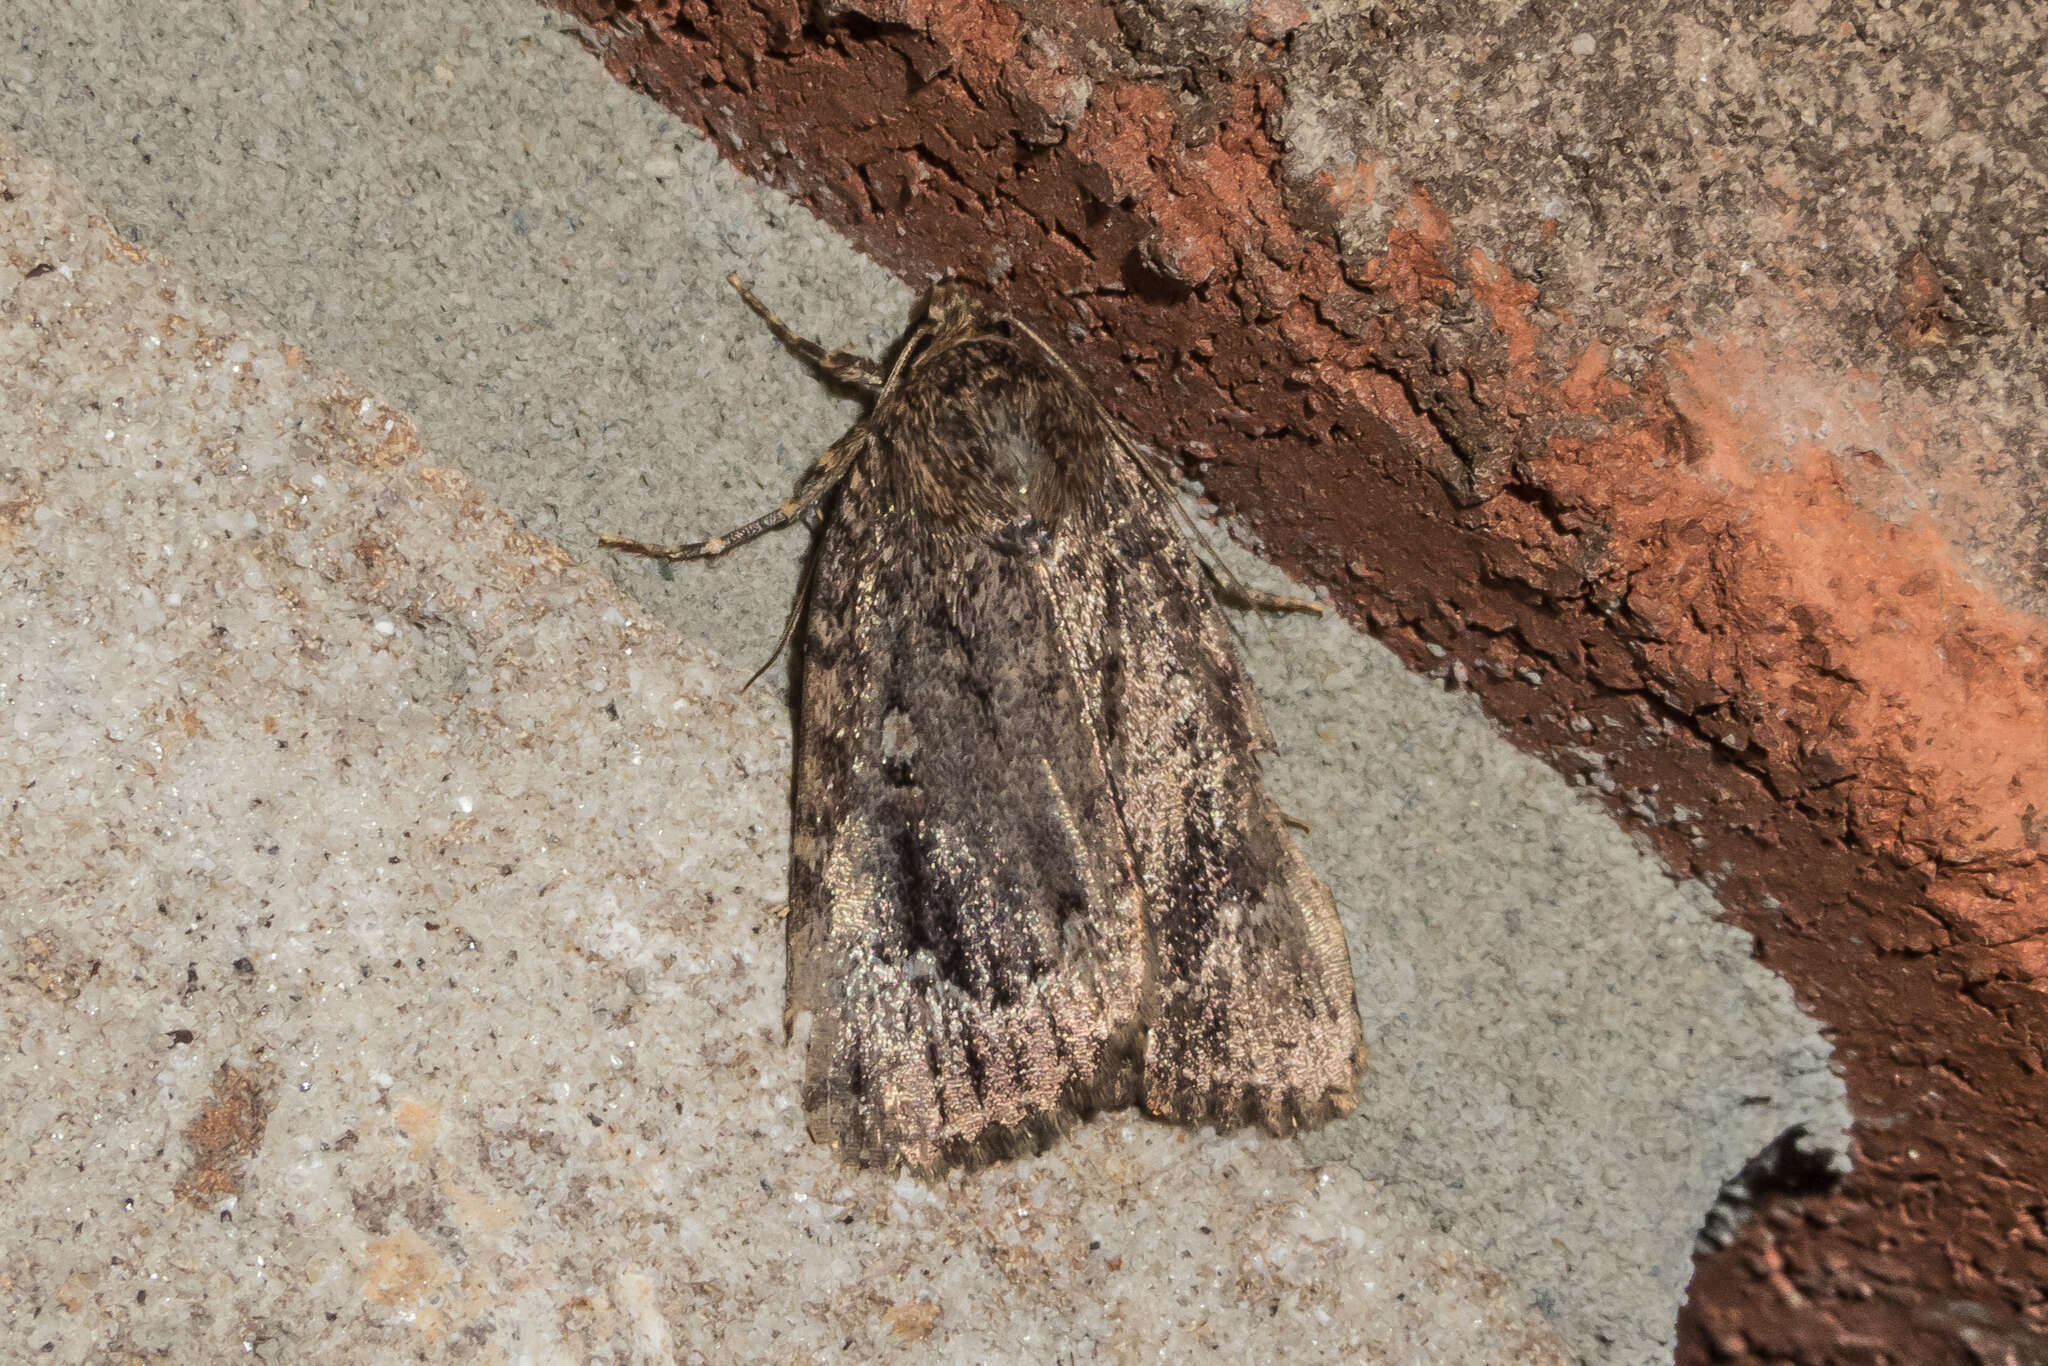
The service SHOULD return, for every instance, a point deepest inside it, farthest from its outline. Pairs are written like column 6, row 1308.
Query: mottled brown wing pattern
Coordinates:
column 1035, row 871
column 1252, row 1016
column 964, row 922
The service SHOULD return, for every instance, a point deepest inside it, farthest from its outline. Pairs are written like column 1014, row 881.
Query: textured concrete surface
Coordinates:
column 393, row 967
column 1668, row 376
column 1569, row 1053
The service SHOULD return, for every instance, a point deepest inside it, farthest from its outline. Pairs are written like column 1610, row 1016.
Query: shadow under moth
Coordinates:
column 1034, row 873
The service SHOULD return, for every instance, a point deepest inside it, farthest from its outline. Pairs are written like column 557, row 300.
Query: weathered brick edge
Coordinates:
column 1844, row 749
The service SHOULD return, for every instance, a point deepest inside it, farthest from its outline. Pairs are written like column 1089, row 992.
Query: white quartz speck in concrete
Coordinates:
column 392, row 961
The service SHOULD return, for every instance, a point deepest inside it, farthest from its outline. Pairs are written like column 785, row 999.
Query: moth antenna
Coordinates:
column 845, row 367
column 789, row 625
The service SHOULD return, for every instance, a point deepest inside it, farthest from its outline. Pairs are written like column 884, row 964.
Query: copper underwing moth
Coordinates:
column 1034, row 871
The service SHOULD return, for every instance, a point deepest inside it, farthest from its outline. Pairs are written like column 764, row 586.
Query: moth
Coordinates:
column 1034, row 871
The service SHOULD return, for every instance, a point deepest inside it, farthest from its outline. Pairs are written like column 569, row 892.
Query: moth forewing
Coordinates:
column 1034, row 871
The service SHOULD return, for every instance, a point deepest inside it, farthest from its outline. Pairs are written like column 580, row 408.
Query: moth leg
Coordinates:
column 848, row 367
column 1240, row 594
column 1226, row 584
column 818, row 481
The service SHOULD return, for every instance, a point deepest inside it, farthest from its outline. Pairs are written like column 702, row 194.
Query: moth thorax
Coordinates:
column 1022, row 466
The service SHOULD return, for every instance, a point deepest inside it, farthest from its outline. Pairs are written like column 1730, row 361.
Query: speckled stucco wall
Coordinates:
column 1670, row 377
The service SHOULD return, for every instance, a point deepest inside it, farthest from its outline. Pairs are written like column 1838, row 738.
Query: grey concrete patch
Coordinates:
column 1569, row 1053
